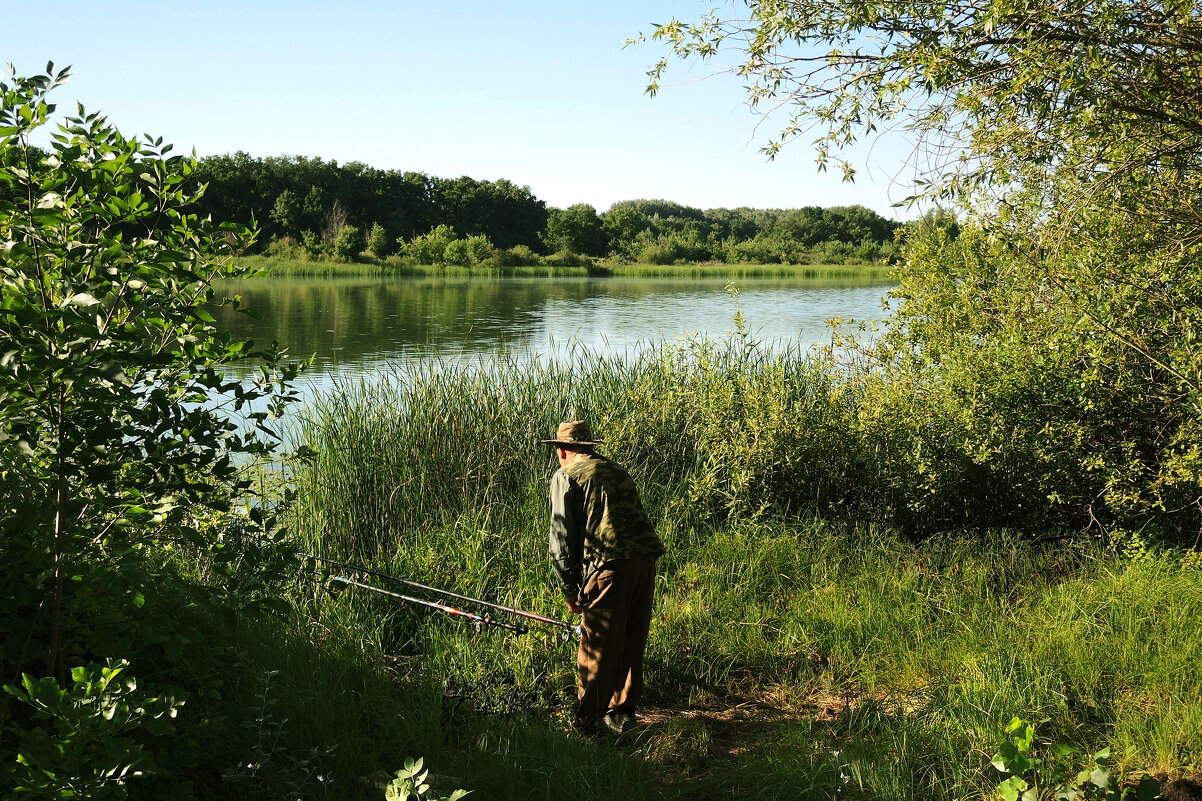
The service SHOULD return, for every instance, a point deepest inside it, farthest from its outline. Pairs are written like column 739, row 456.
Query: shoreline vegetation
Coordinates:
column 878, row 557
column 798, row 643
column 307, row 208
column 267, row 266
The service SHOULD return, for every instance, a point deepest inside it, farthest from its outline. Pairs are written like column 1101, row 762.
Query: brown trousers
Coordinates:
column 617, row 602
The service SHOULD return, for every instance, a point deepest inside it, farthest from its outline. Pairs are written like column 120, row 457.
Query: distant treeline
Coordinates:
column 338, row 210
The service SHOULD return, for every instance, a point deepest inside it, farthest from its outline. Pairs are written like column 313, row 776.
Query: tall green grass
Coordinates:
column 714, row 430
column 896, row 662
column 922, row 652
column 271, row 266
column 741, row 270
column 319, row 268
column 280, row 266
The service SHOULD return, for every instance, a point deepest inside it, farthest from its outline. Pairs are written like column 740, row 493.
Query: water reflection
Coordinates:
column 355, row 327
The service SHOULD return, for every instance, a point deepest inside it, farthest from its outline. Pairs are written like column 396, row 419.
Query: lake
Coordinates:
column 357, row 327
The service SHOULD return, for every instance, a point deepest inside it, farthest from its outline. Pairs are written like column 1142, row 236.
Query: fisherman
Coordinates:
column 603, row 550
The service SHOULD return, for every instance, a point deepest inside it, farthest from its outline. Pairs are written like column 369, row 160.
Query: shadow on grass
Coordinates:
column 753, row 749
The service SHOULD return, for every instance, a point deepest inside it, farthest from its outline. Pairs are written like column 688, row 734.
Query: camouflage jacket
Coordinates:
column 596, row 517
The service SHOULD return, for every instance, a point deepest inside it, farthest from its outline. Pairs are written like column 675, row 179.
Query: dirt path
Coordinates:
column 693, row 743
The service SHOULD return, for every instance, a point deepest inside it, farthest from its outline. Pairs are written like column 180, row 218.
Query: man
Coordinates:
column 603, row 550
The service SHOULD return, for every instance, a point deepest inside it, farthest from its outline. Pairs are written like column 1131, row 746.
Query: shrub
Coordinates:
column 457, row 253
column 349, row 243
column 566, row 258
column 117, row 446
column 312, row 243
column 525, row 255
column 656, row 254
column 761, row 249
column 429, row 248
column 378, row 243
column 1024, row 408
column 516, row 256
column 479, row 249
column 837, row 252
column 285, row 247
column 867, row 251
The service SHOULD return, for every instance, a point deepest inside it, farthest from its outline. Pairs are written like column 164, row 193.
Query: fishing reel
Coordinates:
column 569, row 633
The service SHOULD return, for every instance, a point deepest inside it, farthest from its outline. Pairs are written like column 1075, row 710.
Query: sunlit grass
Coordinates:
column 280, row 267
column 741, row 270
column 794, row 653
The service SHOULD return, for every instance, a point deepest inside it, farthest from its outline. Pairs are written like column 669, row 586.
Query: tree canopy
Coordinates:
column 1052, row 352
column 309, row 201
column 1000, row 93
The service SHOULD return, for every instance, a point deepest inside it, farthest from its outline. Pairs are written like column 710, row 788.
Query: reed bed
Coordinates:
column 713, row 430
column 281, row 266
column 742, row 270
column 890, row 665
column 273, row 266
column 277, row 266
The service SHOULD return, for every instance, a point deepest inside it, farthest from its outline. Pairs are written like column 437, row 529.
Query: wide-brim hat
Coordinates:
column 573, row 432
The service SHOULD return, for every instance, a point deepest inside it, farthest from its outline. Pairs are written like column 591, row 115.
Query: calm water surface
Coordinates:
column 357, row 327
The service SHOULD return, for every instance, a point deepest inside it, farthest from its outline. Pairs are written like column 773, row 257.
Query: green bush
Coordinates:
column 429, row 248
column 124, row 447
column 312, row 243
column 349, row 243
column 566, row 258
column 456, row 252
column 1026, row 406
column 378, row 243
column 759, row 250
column 479, row 249
column 656, row 254
column 867, row 251
column 837, row 252
column 517, row 256
column 83, row 744
column 286, row 248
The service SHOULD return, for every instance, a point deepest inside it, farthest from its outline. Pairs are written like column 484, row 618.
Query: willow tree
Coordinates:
column 1065, row 329
column 997, row 92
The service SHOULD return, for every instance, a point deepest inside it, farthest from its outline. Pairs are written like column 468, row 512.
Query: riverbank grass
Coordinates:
column 822, row 658
column 792, row 654
column 274, row 266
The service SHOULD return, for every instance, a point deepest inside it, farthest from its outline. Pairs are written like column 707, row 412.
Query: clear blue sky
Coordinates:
column 540, row 93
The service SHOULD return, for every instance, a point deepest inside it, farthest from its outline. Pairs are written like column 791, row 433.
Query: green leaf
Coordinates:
column 1010, row 760
column 1012, row 788
column 1148, row 788
column 1023, row 737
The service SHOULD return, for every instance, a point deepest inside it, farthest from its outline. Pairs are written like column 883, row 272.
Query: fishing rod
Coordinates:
column 569, row 629
column 479, row 620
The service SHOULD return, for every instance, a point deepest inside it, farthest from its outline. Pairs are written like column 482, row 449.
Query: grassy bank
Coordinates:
column 275, row 266
column 270, row 266
column 864, row 271
column 783, row 657
column 793, row 654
